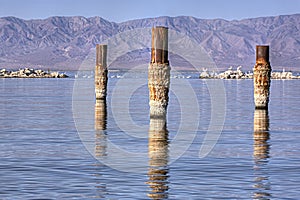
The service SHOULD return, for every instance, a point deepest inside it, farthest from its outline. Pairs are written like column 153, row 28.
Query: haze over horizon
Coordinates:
column 119, row 11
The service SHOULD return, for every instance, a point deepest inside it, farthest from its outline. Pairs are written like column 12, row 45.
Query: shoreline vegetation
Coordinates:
column 31, row 73
column 239, row 74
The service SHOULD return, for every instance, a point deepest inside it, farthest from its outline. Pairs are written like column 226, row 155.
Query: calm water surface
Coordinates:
column 43, row 157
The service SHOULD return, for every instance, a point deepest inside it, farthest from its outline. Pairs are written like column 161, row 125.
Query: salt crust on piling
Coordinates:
column 158, row 83
column 101, row 82
column 261, row 79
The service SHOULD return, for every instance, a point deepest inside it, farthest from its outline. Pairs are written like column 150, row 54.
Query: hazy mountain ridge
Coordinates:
column 64, row 42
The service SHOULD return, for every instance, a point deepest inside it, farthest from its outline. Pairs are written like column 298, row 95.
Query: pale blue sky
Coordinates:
column 122, row 10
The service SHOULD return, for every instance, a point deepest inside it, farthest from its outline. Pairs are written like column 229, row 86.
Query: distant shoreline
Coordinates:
column 239, row 74
column 30, row 73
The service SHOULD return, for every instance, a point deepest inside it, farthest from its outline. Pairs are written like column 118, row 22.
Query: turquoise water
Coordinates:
column 43, row 156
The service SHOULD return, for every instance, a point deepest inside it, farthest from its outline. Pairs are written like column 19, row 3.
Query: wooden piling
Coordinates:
column 101, row 71
column 159, row 73
column 158, row 159
column 262, row 77
column 159, row 45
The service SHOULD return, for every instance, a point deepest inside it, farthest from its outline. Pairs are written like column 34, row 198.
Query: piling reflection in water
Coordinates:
column 100, row 127
column 100, row 149
column 158, row 159
column 261, row 154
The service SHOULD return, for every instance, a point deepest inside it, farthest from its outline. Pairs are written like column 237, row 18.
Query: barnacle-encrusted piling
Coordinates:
column 262, row 77
column 158, row 83
column 159, row 73
column 101, row 71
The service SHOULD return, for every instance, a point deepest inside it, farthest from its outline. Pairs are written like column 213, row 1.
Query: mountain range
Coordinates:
column 64, row 43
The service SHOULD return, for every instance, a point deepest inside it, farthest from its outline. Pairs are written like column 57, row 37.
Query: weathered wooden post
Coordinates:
column 158, row 158
column 159, row 73
column 100, row 126
column 158, row 83
column 101, row 71
column 262, row 77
